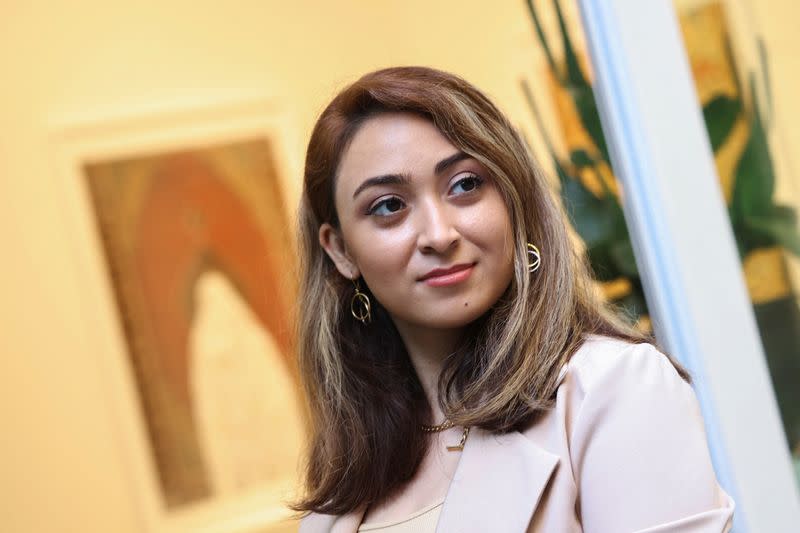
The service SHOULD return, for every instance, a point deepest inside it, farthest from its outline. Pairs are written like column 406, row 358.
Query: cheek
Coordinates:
column 491, row 230
column 383, row 255
column 385, row 271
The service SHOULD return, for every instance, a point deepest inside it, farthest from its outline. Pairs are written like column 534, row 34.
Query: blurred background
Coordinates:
column 151, row 161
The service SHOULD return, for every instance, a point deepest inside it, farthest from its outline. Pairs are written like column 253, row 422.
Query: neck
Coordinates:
column 427, row 349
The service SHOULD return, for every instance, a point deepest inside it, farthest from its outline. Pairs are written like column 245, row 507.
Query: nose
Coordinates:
column 436, row 231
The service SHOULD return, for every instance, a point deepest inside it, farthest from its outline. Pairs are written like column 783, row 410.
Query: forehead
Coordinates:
column 392, row 143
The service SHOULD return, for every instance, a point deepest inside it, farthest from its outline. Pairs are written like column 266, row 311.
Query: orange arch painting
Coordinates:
column 167, row 220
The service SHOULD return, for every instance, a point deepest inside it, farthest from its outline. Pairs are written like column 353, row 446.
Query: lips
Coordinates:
column 440, row 277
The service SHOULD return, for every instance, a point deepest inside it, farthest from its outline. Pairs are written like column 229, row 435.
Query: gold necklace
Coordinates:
column 439, row 427
column 446, row 425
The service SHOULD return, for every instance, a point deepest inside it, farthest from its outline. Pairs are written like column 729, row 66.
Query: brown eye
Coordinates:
column 467, row 184
column 386, row 207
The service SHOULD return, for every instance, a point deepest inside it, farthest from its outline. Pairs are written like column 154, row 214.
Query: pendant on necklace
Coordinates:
column 460, row 446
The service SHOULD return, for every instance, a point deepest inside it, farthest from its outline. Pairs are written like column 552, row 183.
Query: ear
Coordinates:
column 333, row 243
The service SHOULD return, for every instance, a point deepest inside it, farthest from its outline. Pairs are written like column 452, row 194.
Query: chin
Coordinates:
column 453, row 318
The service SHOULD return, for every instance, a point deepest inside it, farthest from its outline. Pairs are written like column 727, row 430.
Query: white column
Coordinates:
column 686, row 251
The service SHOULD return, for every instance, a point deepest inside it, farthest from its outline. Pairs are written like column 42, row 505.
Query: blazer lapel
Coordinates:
column 497, row 484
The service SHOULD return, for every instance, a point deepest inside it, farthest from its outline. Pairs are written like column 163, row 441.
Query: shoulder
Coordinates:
column 613, row 386
column 626, row 410
column 620, row 398
column 603, row 361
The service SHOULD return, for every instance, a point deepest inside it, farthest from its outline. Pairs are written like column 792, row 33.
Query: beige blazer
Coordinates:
column 623, row 450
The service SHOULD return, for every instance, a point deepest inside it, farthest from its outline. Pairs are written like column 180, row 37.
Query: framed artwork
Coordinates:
column 183, row 223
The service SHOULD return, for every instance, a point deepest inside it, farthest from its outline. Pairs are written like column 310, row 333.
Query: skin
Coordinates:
column 393, row 234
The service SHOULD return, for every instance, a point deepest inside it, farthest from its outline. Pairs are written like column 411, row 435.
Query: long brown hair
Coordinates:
column 364, row 400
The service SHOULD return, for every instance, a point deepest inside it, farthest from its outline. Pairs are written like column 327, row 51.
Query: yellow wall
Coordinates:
column 64, row 63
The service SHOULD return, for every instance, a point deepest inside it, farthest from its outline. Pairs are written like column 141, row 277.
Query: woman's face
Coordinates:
column 410, row 202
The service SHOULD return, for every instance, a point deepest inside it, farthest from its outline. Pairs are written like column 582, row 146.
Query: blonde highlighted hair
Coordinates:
column 364, row 400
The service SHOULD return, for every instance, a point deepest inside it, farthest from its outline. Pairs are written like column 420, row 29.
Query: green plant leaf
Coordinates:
column 741, row 243
column 754, row 177
column 720, row 115
column 590, row 117
column 779, row 325
column 591, row 216
column 603, row 266
column 543, row 40
column 581, row 158
column 573, row 81
column 579, row 88
column 599, row 221
column 780, row 228
column 622, row 253
column 574, row 74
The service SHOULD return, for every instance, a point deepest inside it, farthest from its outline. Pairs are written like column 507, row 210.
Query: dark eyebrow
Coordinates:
column 387, row 179
column 404, row 179
column 442, row 165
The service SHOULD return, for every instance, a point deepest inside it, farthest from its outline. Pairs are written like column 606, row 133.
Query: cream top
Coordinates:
column 422, row 521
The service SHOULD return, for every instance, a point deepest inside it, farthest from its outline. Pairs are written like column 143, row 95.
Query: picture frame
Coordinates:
column 108, row 160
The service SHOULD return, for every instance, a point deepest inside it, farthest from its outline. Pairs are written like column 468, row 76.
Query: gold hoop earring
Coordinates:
column 360, row 306
column 534, row 252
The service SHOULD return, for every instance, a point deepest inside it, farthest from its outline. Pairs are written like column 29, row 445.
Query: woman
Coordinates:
column 461, row 373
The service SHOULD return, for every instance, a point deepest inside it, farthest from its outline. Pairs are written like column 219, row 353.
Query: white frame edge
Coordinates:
column 694, row 284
